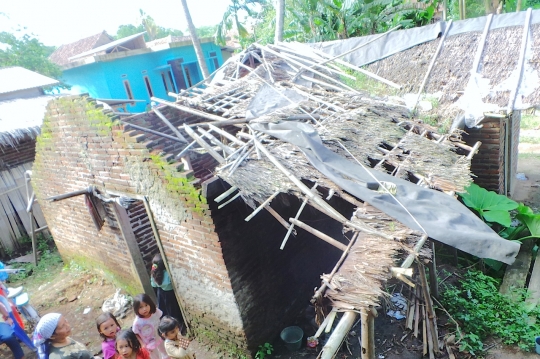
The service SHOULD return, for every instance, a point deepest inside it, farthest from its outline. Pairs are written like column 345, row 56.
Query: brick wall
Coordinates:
column 272, row 286
column 24, row 152
column 488, row 164
column 79, row 147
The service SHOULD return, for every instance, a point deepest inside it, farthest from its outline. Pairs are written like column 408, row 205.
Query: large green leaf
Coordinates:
column 490, row 205
column 502, row 217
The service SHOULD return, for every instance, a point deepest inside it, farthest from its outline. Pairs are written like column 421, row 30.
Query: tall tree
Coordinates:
column 195, row 39
column 280, row 18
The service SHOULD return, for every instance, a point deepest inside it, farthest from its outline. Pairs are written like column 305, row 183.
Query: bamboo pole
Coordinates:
column 512, row 98
column 319, row 234
column 431, row 318
column 276, row 215
column 188, row 110
column 226, row 134
column 324, row 324
column 291, row 227
column 264, row 204
column 433, row 59
column 204, row 145
column 334, row 342
column 225, row 194
column 424, row 333
column 229, row 201
column 165, row 262
column 368, row 348
column 481, row 44
column 170, row 125
column 283, row 56
column 433, row 273
column 215, row 141
column 329, row 210
column 319, row 291
column 361, row 70
column 144, row 129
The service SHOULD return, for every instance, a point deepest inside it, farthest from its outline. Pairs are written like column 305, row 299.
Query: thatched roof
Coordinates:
column 404, row 57
column 21, row 118
column 62, row 54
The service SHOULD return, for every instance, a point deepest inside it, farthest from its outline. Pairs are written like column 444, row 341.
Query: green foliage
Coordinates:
column 147, row 23
column 28, row 52
column 491, row 207
column 482, row 311
column 323, row 20
column 365, row 83
column 49, row 262
column 264, row 350
column 207, row 31
column 231, row 18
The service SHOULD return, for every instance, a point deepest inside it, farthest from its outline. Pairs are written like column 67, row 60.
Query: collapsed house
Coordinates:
column 252, row 187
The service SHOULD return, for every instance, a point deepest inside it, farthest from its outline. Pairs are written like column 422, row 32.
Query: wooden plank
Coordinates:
column 131, row 241
column 534, row 287
column 516, row 273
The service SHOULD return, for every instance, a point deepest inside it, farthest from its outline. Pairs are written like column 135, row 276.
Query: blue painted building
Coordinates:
column 133, row 69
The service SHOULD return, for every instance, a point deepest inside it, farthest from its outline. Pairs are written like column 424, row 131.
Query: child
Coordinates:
column 128, row 347
column 161, row 280
column 107, row 326
column 175, row 344
column 146, row 323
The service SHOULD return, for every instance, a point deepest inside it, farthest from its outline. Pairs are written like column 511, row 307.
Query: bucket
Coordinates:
column 537, row 342
column 292, row 336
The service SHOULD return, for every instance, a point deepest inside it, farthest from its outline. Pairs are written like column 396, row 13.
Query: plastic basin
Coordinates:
column 292, row 337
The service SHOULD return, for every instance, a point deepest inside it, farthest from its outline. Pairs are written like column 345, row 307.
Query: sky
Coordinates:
column 57, row 22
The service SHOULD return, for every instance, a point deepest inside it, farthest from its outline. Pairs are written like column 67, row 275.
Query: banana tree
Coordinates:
column 231, row 18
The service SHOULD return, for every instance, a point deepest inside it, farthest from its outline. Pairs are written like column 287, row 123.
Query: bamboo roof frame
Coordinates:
column 372, row 129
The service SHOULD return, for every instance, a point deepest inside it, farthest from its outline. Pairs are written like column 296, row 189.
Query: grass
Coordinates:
column 367, row 84
column 529, row 139
column 528, row 155
column 49, row 264
column 530, row 122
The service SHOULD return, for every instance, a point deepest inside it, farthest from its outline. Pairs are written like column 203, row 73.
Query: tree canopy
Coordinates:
column 147, row 23
column 27, row 52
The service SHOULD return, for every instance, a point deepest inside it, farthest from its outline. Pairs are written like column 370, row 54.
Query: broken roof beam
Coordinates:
column 318, row 234
column 291, row 227
column 170, row 125
column 311, row 62
column 326, row 208
column 144, row 129
column 287, row 58
column 204, row 144
column 188, row 110
column 526, row 29
column 215, row 141
column 433, row 59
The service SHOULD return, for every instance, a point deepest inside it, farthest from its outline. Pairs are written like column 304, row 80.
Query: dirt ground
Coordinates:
column 71, row 291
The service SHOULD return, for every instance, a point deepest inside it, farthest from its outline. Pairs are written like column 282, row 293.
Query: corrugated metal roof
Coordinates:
column 21, row 117
column 18, row 78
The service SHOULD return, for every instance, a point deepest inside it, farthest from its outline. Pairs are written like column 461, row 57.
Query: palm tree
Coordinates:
column 195, row 39
column 280, row 17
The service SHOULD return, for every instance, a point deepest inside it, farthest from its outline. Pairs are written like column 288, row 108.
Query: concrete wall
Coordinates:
column 80, row 146
column 106, row 79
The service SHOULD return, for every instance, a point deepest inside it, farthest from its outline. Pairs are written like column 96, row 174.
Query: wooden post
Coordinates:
column 135, row 252
column 368, row 335
column 181, row 303
column 342, row 329
column 434, row 285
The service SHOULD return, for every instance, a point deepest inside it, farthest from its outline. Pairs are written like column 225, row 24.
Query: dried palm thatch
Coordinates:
column 448, row 81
